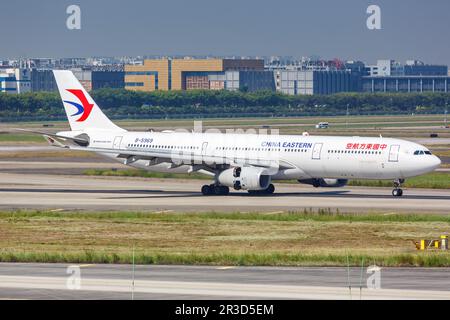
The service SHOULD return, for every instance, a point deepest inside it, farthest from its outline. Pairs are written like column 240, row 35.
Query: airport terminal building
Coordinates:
column 413, row 76
column 291, row 77
column 192, row 74
column 406, row 84
column 15, row 80
column 43, row 79
column 310, row 82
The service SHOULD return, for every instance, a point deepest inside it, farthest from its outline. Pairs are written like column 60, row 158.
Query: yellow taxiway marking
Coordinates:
column 226, row 268
column 86, row 265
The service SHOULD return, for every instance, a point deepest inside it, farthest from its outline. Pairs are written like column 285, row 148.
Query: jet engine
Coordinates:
column 326, row 183
column 245, row 178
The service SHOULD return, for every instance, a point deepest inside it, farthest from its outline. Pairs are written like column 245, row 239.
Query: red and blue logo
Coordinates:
column 84, row 109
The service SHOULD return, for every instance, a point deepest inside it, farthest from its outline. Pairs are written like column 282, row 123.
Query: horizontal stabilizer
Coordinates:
column 58, row 140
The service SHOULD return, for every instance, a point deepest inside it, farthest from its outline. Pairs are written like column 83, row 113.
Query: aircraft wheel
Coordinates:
column 206, row 190
column 221, row 190
column 225, row 191
column 397, row 192
column 316, row 183
column 270, row 189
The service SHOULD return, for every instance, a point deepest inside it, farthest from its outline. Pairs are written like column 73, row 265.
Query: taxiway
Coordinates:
column 73, row 192
column 52, row 281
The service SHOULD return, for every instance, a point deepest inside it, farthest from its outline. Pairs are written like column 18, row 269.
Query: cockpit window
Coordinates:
column 421, row 152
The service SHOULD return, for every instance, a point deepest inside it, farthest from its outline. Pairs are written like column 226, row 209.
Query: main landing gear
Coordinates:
column 218, row 190
column 398, row 192
column 213, row 189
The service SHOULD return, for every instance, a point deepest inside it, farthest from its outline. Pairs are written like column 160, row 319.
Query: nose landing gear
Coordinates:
column 398, row 192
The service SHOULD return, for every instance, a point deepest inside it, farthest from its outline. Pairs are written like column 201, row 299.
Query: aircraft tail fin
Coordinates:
column 81, row 110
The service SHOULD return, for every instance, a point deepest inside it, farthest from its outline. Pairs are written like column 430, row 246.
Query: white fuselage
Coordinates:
column 300, row 157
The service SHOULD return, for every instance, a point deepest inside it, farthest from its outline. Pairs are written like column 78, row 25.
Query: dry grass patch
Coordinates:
column 285, row 239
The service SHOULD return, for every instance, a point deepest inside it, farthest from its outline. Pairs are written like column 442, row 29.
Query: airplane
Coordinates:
column 241, row 161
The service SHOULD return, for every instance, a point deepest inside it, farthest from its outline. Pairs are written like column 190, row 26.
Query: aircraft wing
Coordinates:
column 176, row 159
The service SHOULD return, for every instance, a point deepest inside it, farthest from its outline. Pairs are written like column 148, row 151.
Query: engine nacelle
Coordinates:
column 245, row 178
column 326, row 183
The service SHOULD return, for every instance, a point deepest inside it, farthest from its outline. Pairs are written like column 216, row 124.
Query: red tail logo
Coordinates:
column 85, row 108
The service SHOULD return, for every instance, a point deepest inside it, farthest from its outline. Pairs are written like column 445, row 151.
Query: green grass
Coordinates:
column 319, row 215
column 435, row 180
column 307, row 238
column 426, row 259
column 19, row 137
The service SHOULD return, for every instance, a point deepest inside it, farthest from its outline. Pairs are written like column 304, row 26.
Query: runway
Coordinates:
column 50, row 281
column 72, row 192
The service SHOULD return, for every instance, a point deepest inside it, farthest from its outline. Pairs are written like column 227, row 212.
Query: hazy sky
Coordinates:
column 326, row 28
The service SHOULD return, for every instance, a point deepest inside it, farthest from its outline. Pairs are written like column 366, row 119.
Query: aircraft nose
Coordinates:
column 435, row 162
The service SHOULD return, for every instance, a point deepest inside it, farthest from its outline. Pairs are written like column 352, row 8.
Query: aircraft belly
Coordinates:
column 369, row 169
column 337, row 168
column 287, row 174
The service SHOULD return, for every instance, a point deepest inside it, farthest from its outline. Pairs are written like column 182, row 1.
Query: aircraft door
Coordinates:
column 204, row 147
column 117, row 142
column 393, row 153
column 317, row 150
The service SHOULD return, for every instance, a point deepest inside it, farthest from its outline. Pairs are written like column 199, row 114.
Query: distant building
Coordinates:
column 84, row 76
column 8, row 83
column 191, row 74
column 247, row 81
column 417, row 68
column 406, row 84
column 108, row 79
column 356, row 67
column 304, row 64
column 414, row 76
column 385, row 68
column 317, row 82
column 43, row 80
column 15, row 80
